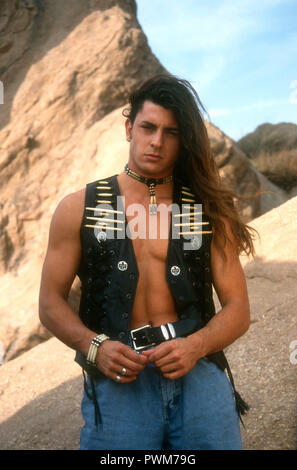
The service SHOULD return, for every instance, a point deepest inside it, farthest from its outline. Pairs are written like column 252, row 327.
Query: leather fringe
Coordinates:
column 93, row 398
column 241, row 406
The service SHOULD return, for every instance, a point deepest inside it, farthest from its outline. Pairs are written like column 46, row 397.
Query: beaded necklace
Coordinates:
column 151, row 183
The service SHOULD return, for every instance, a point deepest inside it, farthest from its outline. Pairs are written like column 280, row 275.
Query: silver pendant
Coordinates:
column 153, row 209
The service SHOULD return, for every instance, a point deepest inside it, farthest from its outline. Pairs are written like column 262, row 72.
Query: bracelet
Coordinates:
column 95, row 343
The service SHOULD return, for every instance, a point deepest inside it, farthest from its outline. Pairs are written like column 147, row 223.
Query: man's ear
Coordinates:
column 128, row 126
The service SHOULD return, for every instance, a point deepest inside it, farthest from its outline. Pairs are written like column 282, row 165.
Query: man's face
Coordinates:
column 154, row 141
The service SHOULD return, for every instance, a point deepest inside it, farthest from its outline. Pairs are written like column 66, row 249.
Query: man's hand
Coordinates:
column 112, row 356
column 175, row 357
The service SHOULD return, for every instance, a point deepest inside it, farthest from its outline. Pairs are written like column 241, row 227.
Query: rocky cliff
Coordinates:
column 64, row 71
column 67, row 69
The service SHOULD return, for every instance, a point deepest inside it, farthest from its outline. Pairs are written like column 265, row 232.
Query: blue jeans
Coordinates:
column 194, row 412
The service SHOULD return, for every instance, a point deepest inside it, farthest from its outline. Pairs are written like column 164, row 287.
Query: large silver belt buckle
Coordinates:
column 138, row 348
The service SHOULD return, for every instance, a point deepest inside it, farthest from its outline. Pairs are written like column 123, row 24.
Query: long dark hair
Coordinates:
column 196, row 165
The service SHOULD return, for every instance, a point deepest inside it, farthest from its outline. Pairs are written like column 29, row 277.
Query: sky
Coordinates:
column 240, row 56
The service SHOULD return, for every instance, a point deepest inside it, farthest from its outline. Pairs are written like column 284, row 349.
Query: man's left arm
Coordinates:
column 175, row 358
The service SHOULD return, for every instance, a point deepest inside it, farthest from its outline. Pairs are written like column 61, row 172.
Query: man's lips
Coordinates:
column 153, row 155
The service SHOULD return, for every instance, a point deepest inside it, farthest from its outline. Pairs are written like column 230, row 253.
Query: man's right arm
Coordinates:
column 59, row 270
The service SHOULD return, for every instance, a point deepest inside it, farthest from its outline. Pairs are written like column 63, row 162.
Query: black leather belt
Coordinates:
column 147, row 335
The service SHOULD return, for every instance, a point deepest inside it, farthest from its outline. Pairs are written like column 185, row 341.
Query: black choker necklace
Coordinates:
column 151, row 183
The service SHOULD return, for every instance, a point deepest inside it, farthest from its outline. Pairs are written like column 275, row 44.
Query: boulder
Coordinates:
column 269, row 138
column 293, row 192
column 67, row 68
column 273, row 149
column 240, row 174
column 78, row 62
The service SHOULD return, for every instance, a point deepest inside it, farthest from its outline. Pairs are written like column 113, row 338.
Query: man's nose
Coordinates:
column 157, row 138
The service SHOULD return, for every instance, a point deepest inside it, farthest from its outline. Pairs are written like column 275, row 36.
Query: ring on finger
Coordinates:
column 118, row 378
column 123, row 371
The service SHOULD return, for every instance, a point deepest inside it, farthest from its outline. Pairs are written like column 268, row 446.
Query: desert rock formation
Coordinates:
column 240, row 174
column 63, row 73
column 271, row 138
column 273, row 150
column 79, row 62
column 67, row 69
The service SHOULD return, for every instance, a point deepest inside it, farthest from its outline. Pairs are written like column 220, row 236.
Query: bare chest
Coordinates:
column 149, row 233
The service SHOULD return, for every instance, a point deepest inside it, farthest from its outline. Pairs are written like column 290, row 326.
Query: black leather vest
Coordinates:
column 108, row 269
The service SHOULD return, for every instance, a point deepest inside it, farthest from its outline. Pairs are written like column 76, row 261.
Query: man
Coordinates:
column 147, row 334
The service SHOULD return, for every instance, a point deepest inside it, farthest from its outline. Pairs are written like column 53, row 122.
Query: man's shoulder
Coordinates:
column 105, row 179
column 69, row 211
column 75, row 201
